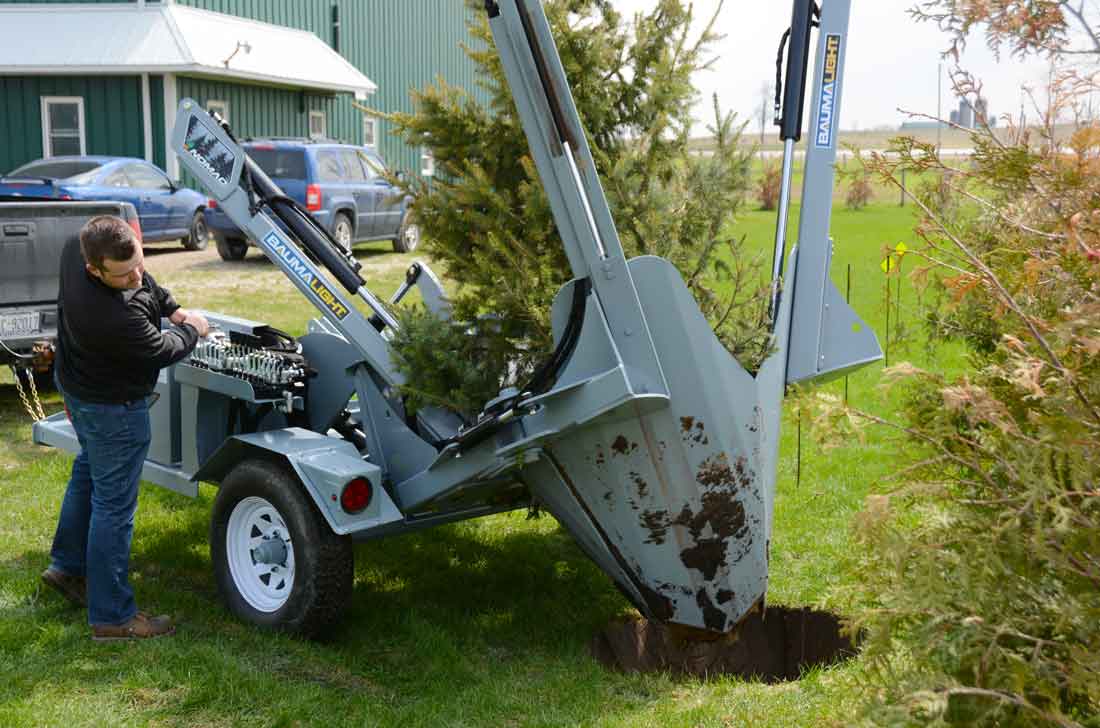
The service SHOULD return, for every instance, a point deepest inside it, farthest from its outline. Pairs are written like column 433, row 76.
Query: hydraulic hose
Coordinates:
column 298, row 220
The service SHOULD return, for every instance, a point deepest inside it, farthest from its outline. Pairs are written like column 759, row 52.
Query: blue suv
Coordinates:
column 343, row 186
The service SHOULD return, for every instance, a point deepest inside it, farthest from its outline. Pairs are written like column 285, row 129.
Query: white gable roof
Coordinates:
column 98, row 39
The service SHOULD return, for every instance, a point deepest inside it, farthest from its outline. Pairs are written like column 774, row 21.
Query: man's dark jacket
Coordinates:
column 109, row 342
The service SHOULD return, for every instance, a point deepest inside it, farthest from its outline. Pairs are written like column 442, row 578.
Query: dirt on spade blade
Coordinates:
column 772, row 646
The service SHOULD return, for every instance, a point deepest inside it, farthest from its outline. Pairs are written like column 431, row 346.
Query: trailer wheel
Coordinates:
column 276, row 561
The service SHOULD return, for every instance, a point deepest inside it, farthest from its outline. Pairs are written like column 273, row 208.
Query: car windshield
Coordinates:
column 279, row 163
column 53, row 169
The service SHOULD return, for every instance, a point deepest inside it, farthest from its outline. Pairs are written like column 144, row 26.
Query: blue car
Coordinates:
column 342, row 185
column 165, row 210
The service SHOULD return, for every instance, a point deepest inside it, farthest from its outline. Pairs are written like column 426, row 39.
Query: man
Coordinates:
column 110, row 349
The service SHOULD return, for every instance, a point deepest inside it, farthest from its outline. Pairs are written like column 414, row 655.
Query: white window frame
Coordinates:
column 81, row 129
column 315, row 114
column 219, row 106
column 371, row 139
column 427, row 162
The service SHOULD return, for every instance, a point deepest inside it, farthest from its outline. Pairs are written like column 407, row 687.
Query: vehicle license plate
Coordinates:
column 19, row 324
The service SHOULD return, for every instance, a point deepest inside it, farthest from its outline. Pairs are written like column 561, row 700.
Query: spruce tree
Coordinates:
column 486, row 220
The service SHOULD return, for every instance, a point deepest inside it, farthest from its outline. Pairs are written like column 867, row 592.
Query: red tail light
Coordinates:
column 356, row 495
column 66, row 197
column 313, row 198
column 135, row 224
column 211, row 203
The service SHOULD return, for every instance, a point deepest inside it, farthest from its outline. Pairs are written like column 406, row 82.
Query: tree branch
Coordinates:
column 1079, row 14
column 1009, row 300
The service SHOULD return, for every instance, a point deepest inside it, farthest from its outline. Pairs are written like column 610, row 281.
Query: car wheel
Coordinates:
column 408, row 235
column 277, row 563
column 342, row 231
column 199, row 234
column 231, row 248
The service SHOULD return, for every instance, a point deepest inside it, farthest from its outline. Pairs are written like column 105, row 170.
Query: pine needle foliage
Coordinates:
column 456, row 365
column 486, row 218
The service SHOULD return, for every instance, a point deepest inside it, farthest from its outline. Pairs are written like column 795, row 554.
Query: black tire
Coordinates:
column 199, row 234
column 343, row 231
column 408, row 235
column 231, row 248
column 323, row 562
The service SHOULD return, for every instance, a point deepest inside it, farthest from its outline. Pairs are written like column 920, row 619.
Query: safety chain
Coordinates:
column 36, row 412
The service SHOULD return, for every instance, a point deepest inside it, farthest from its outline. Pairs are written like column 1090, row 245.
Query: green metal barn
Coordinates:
column 104, row 77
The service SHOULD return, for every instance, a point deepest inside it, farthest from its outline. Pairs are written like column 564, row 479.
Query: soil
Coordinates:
column 772, row 646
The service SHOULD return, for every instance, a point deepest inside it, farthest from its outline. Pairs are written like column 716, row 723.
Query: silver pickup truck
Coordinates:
column 32, row 236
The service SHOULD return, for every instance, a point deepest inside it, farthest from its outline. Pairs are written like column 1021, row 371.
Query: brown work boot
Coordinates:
column 73, row 588
column 141, row 626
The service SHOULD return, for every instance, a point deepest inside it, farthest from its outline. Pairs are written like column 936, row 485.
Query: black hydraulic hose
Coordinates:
column 565, row 135
column 543, row 379
column 317, row 240
column 312, row 236
column 289, row 346
column 779, row 78
column 298, row 220
column 798, row 52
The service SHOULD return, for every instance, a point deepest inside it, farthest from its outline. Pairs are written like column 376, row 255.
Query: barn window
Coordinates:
column 62, row 125
column 318, row 125
column 370, row 132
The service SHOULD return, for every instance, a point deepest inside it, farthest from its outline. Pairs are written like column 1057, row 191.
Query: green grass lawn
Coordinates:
column 482, row 623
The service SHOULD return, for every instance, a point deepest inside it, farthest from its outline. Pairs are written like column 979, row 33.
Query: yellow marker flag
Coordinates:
column 888, row 264
column 901, row 249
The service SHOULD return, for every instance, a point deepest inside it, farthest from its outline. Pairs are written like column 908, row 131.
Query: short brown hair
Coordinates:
column 107, row 236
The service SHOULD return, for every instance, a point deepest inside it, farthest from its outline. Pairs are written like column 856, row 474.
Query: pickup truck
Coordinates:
column 33, row 233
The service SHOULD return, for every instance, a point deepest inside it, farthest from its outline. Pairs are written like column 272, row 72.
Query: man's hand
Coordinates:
column 197, row 321
column 178, row 316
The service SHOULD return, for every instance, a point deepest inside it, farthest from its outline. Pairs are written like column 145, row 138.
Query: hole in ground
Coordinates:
column 773, row 646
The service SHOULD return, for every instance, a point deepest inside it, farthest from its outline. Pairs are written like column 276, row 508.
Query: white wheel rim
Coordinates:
column 254, row 521
column 412, row 236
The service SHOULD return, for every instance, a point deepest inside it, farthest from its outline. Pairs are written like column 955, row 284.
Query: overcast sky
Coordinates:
column 891, row 63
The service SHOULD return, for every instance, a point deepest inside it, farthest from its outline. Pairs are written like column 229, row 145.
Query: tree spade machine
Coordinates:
column 640, row 433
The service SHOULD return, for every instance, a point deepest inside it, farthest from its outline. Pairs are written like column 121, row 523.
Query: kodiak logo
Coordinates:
column 826, row 105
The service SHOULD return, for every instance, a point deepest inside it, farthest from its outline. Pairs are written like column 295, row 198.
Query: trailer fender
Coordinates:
column 323, row 464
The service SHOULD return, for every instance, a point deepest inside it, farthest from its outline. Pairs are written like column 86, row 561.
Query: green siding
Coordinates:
column 112, row 115
column 156, row 101
column 400, row 45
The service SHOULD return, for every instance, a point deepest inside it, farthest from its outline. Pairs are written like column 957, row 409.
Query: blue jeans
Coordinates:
column 97, row 515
